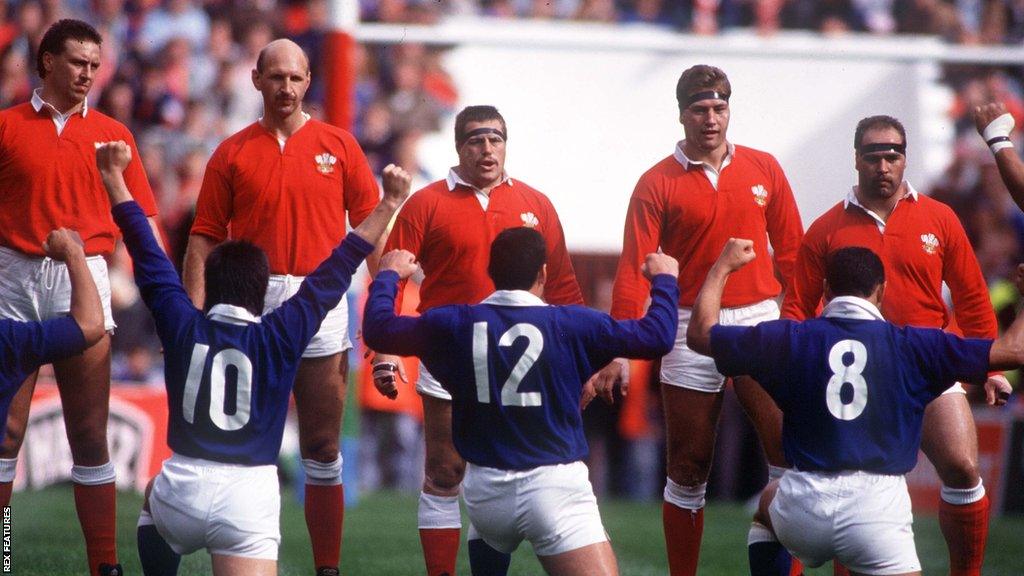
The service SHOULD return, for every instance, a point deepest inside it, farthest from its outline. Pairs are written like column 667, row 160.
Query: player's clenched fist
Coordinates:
column 401, row 261
column 992, row 120
column 736, row 254
column 397, row 183
column 657, row 263
column 62, row 244
column 113, row 156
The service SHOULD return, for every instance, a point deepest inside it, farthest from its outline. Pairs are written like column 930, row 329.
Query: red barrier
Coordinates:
column 136, row 435
column 993, row 443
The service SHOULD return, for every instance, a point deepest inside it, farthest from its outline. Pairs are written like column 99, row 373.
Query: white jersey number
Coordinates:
column 510, row 394
column 218, row 385
column 843, row 374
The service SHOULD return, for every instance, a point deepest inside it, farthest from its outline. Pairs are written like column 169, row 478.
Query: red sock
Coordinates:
column 5, row 493
column 838, row 569
column 796, row 568
column 965, row 528
column 440, row 548
column 97, row 513
column 325, row 515
column 683, row 531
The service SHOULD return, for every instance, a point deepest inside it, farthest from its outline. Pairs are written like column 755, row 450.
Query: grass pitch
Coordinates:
column 381, row 539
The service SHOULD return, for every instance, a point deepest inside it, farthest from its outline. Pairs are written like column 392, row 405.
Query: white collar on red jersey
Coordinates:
column 680, row 156
column 851, row 196
column 454, row 180
column 513, row 298
column 38, row 103
column 851, row 200
column 231, row 314
column 851, row 307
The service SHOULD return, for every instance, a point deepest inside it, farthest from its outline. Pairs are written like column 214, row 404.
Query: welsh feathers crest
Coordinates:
column 529, row 220
column 325, row 163
column 929, row 243
column 760, row 195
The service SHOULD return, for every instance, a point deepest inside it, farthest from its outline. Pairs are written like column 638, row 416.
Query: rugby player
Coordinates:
column 448, row 226
column 923, row 246
column 688, row 204
column 515, row 369
column 285, row 183
column 229, row 374
column 853, row 390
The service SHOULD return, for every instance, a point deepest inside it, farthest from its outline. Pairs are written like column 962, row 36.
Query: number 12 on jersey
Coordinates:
column 510, row 394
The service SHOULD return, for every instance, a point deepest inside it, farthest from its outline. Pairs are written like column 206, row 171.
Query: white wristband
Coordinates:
column 997, row 133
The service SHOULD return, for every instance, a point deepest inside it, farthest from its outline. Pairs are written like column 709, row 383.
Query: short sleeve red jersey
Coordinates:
column 50, row 180
column 291, row 200
column 676, row 208
column 921, row 246
column 450, row 233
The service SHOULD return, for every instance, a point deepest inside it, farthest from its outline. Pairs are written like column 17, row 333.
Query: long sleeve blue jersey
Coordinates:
column 228, row 383
column 852, row 392
column 515, row 367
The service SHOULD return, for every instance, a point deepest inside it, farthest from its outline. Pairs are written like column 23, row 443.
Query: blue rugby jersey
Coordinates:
column 25, row 346
column 515, row 367
column 852, row 390
column 228, row 382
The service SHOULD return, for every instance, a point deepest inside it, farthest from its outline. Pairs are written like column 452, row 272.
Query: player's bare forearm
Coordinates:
column 64, row 245
column 1007, row 351
column 397, row 183
column 86, row 308
column 1011, row 169
column 199, row 247
column 117, row 189
column 705, row 310
column 736, row 254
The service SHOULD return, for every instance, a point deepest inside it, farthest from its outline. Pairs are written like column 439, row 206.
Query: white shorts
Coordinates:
column 687, row 369
column 332, row 337
column 861, row 519
column 552, row 507
column 228, row 509
column 428, row 385
column 35, row 289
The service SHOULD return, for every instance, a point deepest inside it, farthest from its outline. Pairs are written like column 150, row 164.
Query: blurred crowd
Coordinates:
column 177, row 73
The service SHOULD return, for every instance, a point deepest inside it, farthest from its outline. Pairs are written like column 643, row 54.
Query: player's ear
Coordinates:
column 542, row 276
column 879, row 292
column 826, row 291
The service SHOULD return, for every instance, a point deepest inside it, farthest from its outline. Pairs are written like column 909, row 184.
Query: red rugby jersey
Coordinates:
column 450, row 233
column 675, row 207
column 922, row 246
column 291, row 202
column 49, row 181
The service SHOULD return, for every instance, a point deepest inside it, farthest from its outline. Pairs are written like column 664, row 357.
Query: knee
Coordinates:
column 15, row 435
column 88, row 438
column 319, row 447
column 444, row 475
column 687, row 472
column 961, row 472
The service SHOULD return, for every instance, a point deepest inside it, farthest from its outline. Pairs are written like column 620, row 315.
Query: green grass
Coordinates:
column 381, row 539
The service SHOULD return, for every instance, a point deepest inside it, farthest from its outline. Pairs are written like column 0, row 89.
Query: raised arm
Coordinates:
column 396, row 189
column 648, row 338
column 66, row 246
column 995, row 124
column 736, row 254
column 299, row 317
column 155, row 276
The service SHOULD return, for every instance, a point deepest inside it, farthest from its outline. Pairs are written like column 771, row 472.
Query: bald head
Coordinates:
column 280, row 51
